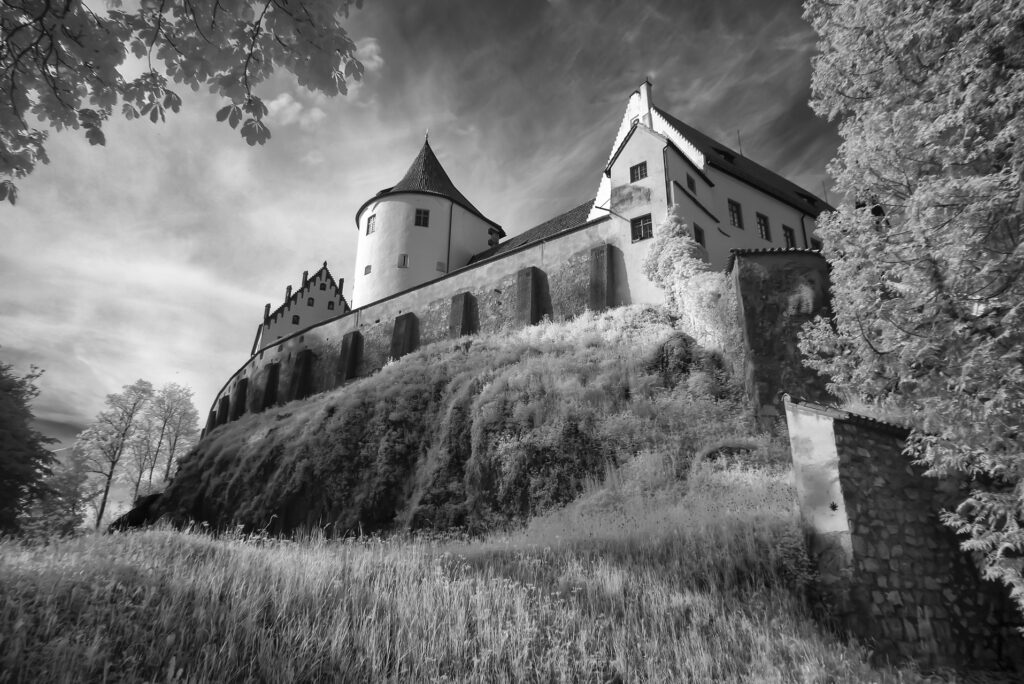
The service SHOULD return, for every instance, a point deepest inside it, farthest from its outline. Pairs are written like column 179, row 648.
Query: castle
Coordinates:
column 431, row 265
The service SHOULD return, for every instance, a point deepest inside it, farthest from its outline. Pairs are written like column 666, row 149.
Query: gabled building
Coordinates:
column 318, row 299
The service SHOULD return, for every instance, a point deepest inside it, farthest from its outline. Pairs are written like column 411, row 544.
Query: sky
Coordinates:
column 153, row 257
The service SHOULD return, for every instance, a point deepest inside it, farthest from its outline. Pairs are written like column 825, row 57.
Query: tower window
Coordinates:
column 330, row 306
column 310, row 301
column 762, row 227
column 422, row 217
column 641, row 228
column 323, row 286
column 295, row 320
column 637, row 172
column 789, row 236
column 403, row 261
column 698, row 235
column 366, row 271
column 371, row 224
column 735, row 214
column 691, row 184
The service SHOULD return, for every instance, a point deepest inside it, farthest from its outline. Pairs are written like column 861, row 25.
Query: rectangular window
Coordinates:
column 323, row 286
column 330, row 306
column 691, row 184
column 366, row 271
column 641, row 227
column 403, row 261
column 735, row 215
column 762, row 227
column 441, row 266
column 816, row 244
column 789, row 236
column 295, row 320
column 637, row 172
column 371, row 224
column 310, row 301
column 698, row 235
column 422, row 217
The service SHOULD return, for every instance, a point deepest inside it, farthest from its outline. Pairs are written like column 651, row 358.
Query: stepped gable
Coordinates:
column 427, row 176
column 299, row 292
column 575, row 217
column 728, row 161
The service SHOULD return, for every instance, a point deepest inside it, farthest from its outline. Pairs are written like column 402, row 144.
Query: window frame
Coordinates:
column 699, row 236
column 788, row 237
column 330, row 306
column 310, row 301
column 735, row 214
column 403, row 261
column 764, row 228
column 296, row 319
column 641, row 228
column 323, row 286
column 422, row 218
column 371, row 224
column 367, row 269
column 637, row 172
column 691, row 184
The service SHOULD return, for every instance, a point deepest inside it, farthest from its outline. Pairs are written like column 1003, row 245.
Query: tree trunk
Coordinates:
column 103, row 501
column 156, row 454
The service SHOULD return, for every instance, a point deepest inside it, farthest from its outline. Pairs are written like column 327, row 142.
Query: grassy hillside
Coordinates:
column 475, row 433
column 697, row 582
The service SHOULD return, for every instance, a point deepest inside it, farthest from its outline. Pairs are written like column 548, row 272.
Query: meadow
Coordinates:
column 635, row 581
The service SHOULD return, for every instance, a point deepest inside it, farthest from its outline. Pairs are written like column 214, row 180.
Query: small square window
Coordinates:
column 763, row 228
column 403, row 261
column 641, row 227
column 310, row 302
column 691, row 184
column 323, row 286
column 637, row 172
column 330, row 306
column 698, row 236
column 295, row 320
column 735, row 215
column 422, row 217
column 371, row 224
column 816, row 244
column 441, row 267
column 789, row 236
column 366, row 271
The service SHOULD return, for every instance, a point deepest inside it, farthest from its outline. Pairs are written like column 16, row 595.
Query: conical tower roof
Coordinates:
column 427, row 176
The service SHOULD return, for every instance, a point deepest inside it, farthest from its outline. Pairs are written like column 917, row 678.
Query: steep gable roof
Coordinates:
column 427, row 176
column 728, row 161
column 573, row 218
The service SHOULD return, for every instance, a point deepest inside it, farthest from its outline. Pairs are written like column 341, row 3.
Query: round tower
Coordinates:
column 416, row 231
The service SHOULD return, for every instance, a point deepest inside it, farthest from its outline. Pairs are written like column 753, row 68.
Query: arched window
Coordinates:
column 309, row 302
column 295, row 320
column 330, row 306
column 323, row 286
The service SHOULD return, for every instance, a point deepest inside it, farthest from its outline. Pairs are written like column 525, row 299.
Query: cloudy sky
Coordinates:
column 153, row 257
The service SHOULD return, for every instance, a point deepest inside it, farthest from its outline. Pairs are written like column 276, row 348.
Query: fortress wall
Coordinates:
column 890, row 571
column 567, row 275
column 778, row 292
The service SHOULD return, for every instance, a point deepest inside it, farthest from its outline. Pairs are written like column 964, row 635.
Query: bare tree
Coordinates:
column 105, row 441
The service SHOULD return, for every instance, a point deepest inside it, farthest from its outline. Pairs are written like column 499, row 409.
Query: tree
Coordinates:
column 24, row 459
column 64, row 63
column 105, row 441
column 67, row 491
column 926, row 248
column 168, row 426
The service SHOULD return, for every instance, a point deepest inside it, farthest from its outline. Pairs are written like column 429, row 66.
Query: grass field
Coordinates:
column 698, row 582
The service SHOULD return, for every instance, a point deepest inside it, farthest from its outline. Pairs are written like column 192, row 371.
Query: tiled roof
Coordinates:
column 733, row 253
column 426, row 175
column 573, row 218
column 721, row 157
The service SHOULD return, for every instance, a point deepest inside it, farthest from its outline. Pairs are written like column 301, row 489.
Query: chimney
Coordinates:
column 645, row 102
column 288, row 294
column 266, row 313
column 305, row 278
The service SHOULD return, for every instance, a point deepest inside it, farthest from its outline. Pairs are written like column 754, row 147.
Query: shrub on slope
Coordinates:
column 474, row 433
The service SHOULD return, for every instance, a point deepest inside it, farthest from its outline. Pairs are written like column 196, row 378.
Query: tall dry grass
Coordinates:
column 631, row 583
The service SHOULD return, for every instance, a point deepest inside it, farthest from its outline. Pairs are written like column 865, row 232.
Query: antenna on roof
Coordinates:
column 739, row 142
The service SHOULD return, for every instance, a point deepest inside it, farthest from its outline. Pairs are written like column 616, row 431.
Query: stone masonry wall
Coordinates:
column 912, row 590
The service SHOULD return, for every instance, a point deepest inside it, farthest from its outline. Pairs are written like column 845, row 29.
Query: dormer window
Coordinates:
column 371, row 224
column 310, row 301
column 422, row 217
column 637, row 172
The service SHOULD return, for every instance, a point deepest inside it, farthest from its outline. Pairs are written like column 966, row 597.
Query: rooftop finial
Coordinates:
column 426, row 136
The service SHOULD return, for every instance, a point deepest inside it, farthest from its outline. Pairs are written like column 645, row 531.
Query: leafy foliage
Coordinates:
column 60, row 509
column 926, row 247
column 703, row 300
column 478, row 433
column 24, row 459
column 64, row 63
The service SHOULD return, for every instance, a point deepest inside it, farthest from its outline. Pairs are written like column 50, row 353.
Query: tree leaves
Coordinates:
column 70, row 60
